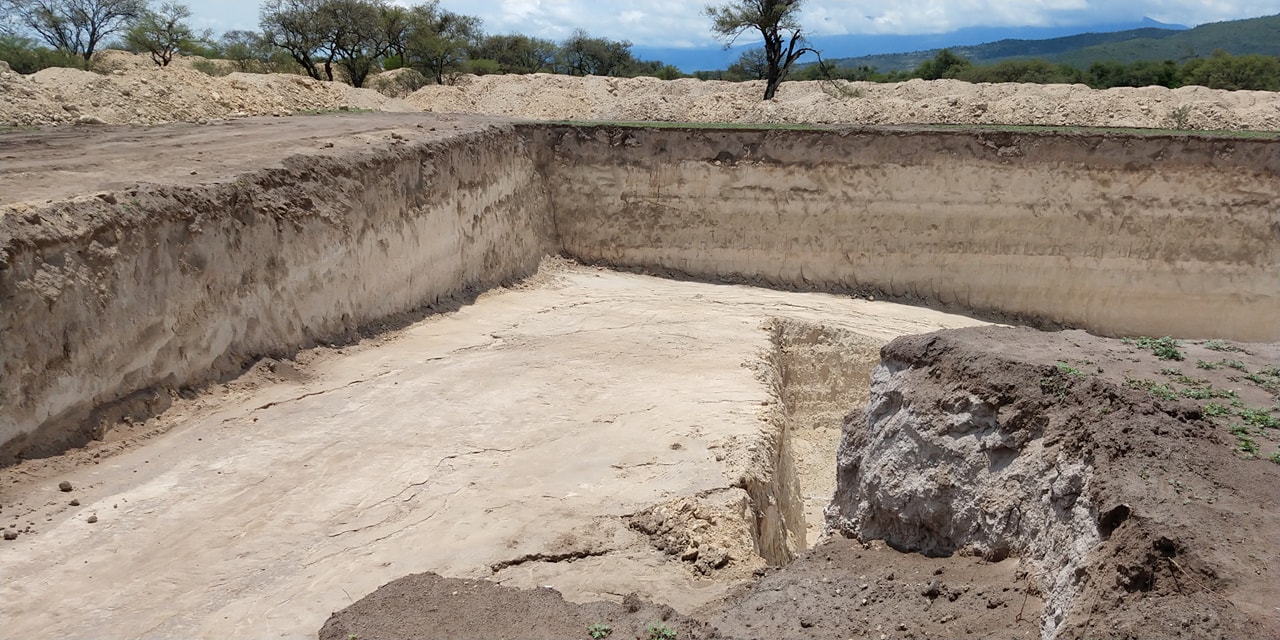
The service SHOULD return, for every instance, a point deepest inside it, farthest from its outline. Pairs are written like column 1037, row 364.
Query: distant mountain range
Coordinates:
column 1255, row 35
column 1079, row 45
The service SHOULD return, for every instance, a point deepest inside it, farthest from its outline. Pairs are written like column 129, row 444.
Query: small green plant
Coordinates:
column 1165, row 348
column 1201, row 364
column 659, row 631
column 599, row 631
column 1272, row 385
column 1162, row 391
column 1069, row 370
column 1208, row 393
column 1180, row 117
column 1234, row 364
column 1219, row 345
column 1182, row 378
column 1215, row 410
column 1259, row 418
column 210, row 68
column 1275, row 457
column 1247, row 446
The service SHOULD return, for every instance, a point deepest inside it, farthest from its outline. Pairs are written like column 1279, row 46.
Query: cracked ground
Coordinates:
column 507, row 440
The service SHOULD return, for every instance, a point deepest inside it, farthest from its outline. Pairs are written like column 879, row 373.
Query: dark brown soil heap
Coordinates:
column 426, row 605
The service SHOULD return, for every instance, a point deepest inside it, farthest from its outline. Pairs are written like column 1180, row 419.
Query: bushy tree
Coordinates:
column 751, row 65
column 439, row 39
column 1223, row 71
column 251, row 53
column 25, row 55
column 517, row 53
column 777, row 22
column 358, row 36
column 295, row 27
column 947, row 64
column 163, row 33
column 76, row 27
column 583, row 55
column 1033, row 71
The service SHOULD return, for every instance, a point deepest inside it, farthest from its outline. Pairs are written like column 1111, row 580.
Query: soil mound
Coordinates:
column 427, row 605
column 1124, row 478
column 130, row 89
column 542, row 96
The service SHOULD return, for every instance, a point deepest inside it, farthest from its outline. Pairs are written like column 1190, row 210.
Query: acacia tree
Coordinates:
column 162, row 33
column 438, row 40
column 583, row 55
column 295, row 26
column 777, row 21
column 75, row 27
column 358, row 36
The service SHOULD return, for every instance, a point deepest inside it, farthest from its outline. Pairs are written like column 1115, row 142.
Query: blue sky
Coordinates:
column 677, row 23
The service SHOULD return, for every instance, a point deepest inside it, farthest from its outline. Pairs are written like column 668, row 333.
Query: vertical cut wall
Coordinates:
column 106, row 299
column 1119, row 234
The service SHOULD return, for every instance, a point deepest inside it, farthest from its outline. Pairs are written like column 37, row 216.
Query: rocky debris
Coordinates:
column 10, row 534
column 706, row 533
column 64, row 486
column 92, row 519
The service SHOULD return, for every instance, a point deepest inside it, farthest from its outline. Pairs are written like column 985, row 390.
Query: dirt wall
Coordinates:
column 1120, row 234
column 109, row 298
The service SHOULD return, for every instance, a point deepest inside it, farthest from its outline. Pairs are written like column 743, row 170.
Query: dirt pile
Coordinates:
column 132, row 90
column 427, row 605
column 1115, row 475
column 544, row 96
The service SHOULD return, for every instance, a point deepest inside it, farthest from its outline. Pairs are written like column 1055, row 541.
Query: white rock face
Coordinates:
column 938, row 468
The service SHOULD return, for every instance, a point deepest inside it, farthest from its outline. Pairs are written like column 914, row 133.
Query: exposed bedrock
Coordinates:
column 976, row 442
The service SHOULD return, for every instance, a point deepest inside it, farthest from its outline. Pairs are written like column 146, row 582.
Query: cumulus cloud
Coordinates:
column 666, row 23
column 679, row 23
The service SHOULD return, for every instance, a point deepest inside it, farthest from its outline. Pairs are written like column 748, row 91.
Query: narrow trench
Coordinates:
column 818, row 374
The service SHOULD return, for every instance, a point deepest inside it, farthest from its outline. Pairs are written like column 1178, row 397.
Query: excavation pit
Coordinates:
column 466, row 413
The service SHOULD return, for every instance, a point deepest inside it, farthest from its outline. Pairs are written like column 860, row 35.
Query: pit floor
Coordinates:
column 525, row 423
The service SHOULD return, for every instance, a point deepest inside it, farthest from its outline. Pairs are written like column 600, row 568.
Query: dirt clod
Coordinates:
column 64, row 486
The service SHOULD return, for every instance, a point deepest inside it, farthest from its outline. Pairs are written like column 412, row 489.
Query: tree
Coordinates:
column 777, row 22
column 295, row 26
column 76, row 27
column 517, row 53
column 162, row 33
column 358, row 36
column 583, row 55
column 944, row 65
column 751, row 65
column 439, row 40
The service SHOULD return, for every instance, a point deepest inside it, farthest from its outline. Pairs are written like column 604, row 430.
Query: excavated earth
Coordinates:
column 256, row 370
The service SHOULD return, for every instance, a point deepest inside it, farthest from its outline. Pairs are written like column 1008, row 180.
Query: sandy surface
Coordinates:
column 61, row 163
column 503, row 441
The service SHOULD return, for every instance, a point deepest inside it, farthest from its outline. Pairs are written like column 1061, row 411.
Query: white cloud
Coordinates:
column 679, row 23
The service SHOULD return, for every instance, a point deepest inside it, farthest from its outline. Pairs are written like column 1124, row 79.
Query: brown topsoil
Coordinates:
column 1185, row 511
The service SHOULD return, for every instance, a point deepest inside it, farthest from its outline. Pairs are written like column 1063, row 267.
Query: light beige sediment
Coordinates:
column 168, row 286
